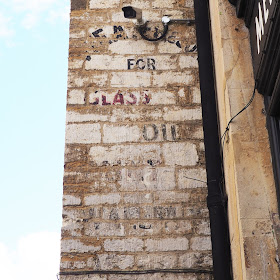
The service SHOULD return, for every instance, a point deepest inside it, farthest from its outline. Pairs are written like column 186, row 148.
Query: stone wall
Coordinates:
column 253, row 213
column 135, row 180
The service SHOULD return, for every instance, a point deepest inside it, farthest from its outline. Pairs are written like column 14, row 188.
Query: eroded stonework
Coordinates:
column 135, row 180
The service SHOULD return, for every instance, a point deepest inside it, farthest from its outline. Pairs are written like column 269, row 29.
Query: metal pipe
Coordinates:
column 216, row 200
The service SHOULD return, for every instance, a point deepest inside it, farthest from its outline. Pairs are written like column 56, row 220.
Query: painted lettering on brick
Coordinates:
column 120, row 98
column 153, row 132
column 141, row 64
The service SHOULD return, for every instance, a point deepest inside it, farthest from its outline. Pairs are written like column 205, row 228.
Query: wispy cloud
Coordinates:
column 29, row 13
column 5, row 27
column 36, row 255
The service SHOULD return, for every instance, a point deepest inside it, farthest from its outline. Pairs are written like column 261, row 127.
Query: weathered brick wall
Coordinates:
column 134, row 181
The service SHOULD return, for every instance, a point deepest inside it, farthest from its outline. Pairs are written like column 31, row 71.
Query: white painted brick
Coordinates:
column 119, row 115
column 195, row 260
column 121, row 134
column 159, row 97
column 103, row 4
column 75, row 63
column 171, row 197
column 76, row 246
column 201, row 243
column 191, row 178
column 180, row 114
column 77, row 117
column 187, row 61
column 125, row 155
column 74, row 215
column 76, row 80
column 157, row 261
column 97, row 199
column 181, row 93
column 140, row 4
column 183, row 154
column 71, row 228
column 124, row 245
column 178, row 227
column 132, row 47
column 131, row 79
column 118, row 17
column 82, row 133
column 164, row 4
column 138, row 198
column 149, row 178
column 71, row 200
column 77, row 34
column 178, row 14
column 106, row 62
column 144, row 229
column 112, row 261
column 107, row 30
column 167, row 47
column 196, row 95
column 167, row 244
column 76, row 96
column 173, row 78
column 72, row 265
column 104, row 229
column 112, row 213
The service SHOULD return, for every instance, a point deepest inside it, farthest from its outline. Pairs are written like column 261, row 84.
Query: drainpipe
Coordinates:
column 216, row 200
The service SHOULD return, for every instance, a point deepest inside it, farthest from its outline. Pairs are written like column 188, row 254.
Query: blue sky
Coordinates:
column 33, row 59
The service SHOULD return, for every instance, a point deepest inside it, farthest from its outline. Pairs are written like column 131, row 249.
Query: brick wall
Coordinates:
column 134, row 181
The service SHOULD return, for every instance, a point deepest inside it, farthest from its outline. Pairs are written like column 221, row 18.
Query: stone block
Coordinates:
column 113, row 261
column 71, row 200
column 188, row 61
column 76, row 246
column 102, row 229
column 131, row 79
column 121, row 134
column 169, row 78
column 96, row 199
column 124, row 245
column 138, row 198
column 82, row 133
column 157, row 261
column 201, row 243
column 132, row 47
column 179, row 114
column 125, row 155
column 171, row 197
column 192, row 178
column 106, row 62
column 196, row 260
column 167, row 244
column 148, row 178
column 183, row 154
column 103, row 4
column 76, row 96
